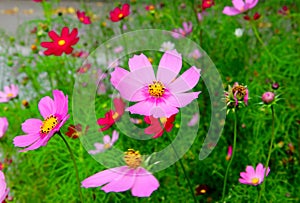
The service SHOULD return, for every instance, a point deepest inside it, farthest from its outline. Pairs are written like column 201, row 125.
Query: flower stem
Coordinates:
column 232, row 156
column 184, row 171
column 269, row 156
column 75, row 165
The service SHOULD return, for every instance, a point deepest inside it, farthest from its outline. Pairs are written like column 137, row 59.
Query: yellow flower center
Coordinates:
column 132, row 158
column 48, row 124
column 202, row 191
column 151, row 7
column 61, row 42
column 81, row 19
column 107, row 146
column 163, row 120
column 120, row 15
column 115, row 115
column 156, row 89
column 9, row 95
column 241, row 91
column 255, row 181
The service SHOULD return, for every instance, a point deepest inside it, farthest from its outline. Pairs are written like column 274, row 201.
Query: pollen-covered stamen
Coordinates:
column 48, row 124
column 132, row 158
column 241, row 91
column 107, row 146
column 255, row 181
column 9, row 95
column 81, row 19
column 115, row 115
column 156, row 89
column 120, row 15
column 61, row 42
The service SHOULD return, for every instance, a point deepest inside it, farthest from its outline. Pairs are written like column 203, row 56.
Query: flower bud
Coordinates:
column 268, row 97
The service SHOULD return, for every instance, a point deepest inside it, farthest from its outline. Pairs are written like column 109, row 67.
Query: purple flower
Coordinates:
column 9, row 93
column 107, row 143
column 253, row 177
column 268, row 97
column 187, row 29
column 38, row 132
column 239, row 6
column 159, row 95
column 130, row 177
column 3, row 126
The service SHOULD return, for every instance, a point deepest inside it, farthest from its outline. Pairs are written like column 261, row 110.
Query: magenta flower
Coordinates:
column 3, row 126
column 253, row 177
column 239, row 6
column 38, row 133
column 229, row 153
column 132, row 176
column 3, row 187
column 187, row 29
column 160, row 96
column 107, row 143
column 268, row 97
column 9, row 93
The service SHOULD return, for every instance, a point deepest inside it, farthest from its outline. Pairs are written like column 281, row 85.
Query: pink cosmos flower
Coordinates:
column 107, row 143
column 38, row 133
column 253, row 177
column 160, row 96
column 239, row 6
column 132, row 176
column 9, row 93
column 268, row 97
column 3, row 187
column 187, row 29
column 196, row 54
column 3, row 126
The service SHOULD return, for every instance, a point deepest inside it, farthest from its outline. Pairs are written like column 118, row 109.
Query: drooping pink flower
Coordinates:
column 183, row 32
column 3, row 188
column 253, row 177
column 107, row 143
column 3, row 126
column 9, row 93
column 157, row 126
column 130, row 177
column 229, row 153
column 113, row 115
column 239, row 6
column 38, row 132
column 159, row 96
column 83, row 18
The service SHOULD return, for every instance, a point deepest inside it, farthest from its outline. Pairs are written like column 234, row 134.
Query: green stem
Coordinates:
column 269, row 155
column 232, row 156
column 184, row 171
column 75, row 165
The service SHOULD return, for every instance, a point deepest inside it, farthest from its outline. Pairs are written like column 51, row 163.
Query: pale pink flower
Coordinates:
column 3, row 187
column 38, row 132
column 130, row 177
column 159, row 95
column 183, row 32
column 268, row 97
column 194, row 120
column 118, row 49
column 196, row 54
column 3, row 126
column 253, row 177
column 107, row 143
column 239, row 6
column 9, row 93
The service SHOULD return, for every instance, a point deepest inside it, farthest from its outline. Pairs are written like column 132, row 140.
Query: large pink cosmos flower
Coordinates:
column 253, row 177
column 3, row 187
column 38, row 133
column 141, row 182
column 239, row 6
column 3, row 126
column 160, row 96
column 9, row 93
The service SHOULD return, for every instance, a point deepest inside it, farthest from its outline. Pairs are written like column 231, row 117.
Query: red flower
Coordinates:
column 112, row 116
column 256, row 16
column 38, row 1
column 155, row 127
column 84, row 68
column 207, row 4
column 83, row 18
column 150, row 7
column 61, row 43
column 75, row 131
column 118, row 14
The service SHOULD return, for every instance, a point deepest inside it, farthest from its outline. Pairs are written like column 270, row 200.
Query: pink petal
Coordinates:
column 34, row 146
column 182, row 99
column 252, row 3
column 121, row 183
column 162, row 109
column 25, row 140
column 142, row 69
column 245, row 176
column 231, row 11
column 145, row 183
column 99, row 148
column 117, row 75
column 250, row 171
column 142, row 108
column 244, row 181
column 60, row 102
column 169, row 66
column 32, row 126
column 238, row 4
column 106, row 139
column 46, row 107
column 101, row 178
column 115, row 136
column 186, row 81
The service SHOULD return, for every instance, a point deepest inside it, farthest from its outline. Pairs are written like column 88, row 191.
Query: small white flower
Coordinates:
column 238, row 32
column 166, row 46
